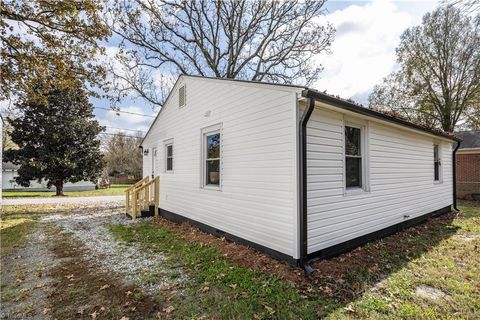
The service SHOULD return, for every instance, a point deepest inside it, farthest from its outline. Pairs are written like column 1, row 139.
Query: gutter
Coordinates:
column 302, row 184
column 352, row 107
column 454, row 174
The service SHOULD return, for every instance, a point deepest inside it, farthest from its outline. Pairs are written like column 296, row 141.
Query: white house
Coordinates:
column 10, row 171
column 292, row 171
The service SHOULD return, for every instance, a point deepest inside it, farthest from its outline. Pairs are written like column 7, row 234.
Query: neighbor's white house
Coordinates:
column 10, row 171
column 291, row 171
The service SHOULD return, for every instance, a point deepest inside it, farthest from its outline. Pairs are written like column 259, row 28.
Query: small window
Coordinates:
column 169, row 157
column 182, row 99
column 212, row 158
column 436, row 163
column 353, row 157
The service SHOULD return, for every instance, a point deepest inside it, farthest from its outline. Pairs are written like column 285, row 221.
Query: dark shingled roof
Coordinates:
column 470, row 139
column 354, row 107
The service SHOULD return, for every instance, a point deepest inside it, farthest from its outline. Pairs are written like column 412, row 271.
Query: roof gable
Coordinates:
column 234, row 81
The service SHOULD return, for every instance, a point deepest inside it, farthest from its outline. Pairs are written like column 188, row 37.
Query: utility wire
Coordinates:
column 120, row 111
column 134, row 130
column 120, row 134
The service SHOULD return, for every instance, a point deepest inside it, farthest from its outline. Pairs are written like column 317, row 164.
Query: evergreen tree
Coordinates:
column 56, row 137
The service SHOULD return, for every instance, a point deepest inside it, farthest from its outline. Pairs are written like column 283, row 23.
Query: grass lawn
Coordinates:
column 114, row 190
column 218, row 288
column 431, row 271
column 16, row 223
column 427, row 272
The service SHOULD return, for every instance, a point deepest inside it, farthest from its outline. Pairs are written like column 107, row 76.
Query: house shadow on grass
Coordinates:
column 338, row 281
column 346, row 277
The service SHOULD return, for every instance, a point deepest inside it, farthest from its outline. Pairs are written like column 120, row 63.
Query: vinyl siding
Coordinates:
column 257, row 200
column 399, row 171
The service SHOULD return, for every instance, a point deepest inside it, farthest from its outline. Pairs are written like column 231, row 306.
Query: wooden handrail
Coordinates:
column 141, row 196
column 128, row 193
column 137, row 184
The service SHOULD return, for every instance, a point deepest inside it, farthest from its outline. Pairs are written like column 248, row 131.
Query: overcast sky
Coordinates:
column 363, row 52
column 367, row 33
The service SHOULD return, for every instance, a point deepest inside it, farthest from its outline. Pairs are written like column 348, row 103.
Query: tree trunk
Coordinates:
column 59, row 187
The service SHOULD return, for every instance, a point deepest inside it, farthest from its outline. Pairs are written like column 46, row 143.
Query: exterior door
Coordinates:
column 154, row 158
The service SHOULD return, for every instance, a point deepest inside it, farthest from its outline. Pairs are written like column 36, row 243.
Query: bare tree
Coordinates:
column 466, row 6
column 438, row 83
column 254, row 40
column 122, row 155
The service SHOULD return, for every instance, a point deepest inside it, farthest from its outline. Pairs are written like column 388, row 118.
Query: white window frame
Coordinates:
column 363, row 126
column 184, row 86
column 166, row 144
column 205, row 132
column 440, row 168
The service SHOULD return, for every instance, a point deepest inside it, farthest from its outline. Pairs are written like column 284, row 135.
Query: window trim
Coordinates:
column 365, row 156
column 205, row 132
column 166, row 143
column 440, row 169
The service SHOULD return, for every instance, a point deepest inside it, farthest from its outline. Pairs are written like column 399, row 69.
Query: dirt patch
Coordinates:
column 431, row 293
column 81, row 291
column 243, row 256
column 25, row 284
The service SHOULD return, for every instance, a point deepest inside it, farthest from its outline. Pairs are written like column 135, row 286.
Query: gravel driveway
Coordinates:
column 61, row 200
column 70, row 253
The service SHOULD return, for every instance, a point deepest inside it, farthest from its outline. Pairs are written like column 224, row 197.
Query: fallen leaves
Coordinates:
column 169, row 309
column 327, row 290
column 350, row 308
column 269, row 309
column 104, row 287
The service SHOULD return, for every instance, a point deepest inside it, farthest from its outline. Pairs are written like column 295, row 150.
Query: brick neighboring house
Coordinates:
column 468, row 165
